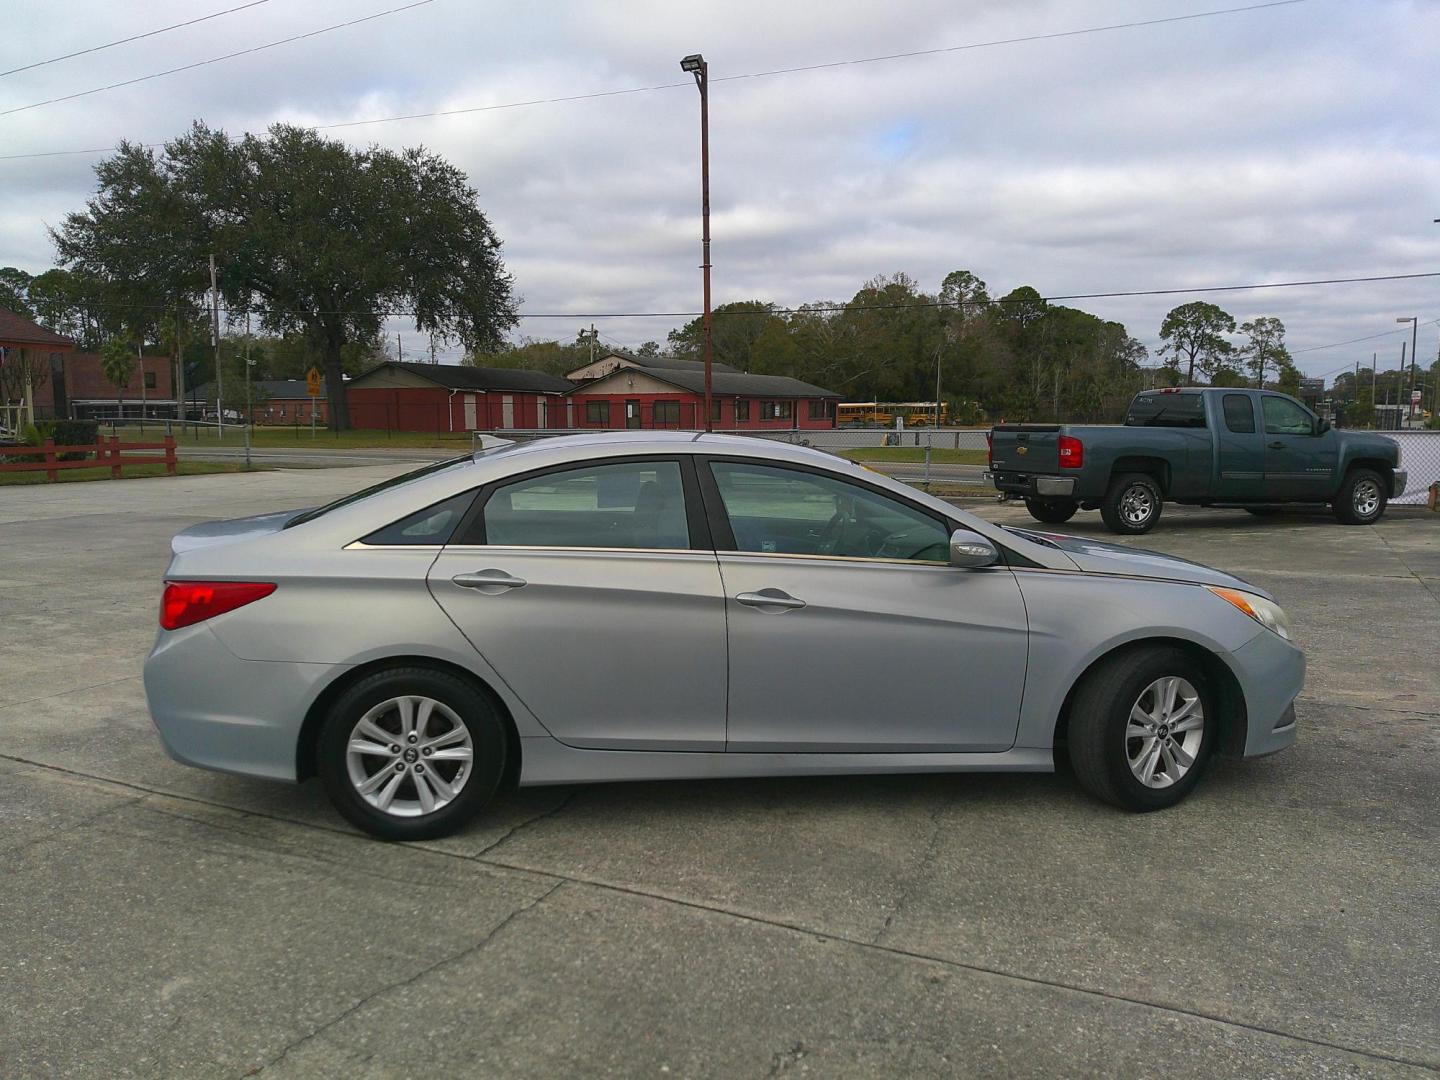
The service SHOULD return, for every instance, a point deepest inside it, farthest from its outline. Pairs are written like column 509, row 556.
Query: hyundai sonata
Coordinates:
column 665, row 605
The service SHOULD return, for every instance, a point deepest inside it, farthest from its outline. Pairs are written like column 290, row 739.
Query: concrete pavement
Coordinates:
column 163, row 921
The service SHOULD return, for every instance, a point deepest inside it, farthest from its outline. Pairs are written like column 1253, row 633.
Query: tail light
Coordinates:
column 189, row 602
column 990, row 449
column 1072, row 452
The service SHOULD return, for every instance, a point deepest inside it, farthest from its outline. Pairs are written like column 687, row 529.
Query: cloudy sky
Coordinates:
column 1292, row 143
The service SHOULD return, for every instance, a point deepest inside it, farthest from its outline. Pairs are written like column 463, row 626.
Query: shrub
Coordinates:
column 69, row 433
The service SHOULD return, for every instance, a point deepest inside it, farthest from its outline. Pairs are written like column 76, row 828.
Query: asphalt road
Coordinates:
column 161, row 921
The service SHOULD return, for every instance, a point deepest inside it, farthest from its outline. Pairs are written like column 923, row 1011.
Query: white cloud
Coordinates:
column 1298, row 142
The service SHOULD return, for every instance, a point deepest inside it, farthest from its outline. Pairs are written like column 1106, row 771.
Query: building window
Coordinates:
column 817, row 409
column 714, row 410
column 742, row 411
column 597, row 412
column 149, row 380
column 667, row 412
column 777, row 410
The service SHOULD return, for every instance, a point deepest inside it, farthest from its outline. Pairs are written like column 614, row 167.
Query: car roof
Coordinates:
column 596, row 443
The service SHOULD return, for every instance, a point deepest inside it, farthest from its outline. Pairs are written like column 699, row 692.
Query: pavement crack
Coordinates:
column 544, row 815
column 922, row 868
column 785, row 1059
column 400, row 984
column 1408, row 568
column 84, row 822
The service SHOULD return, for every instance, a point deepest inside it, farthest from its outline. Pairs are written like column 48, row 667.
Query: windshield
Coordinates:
column 384, row 485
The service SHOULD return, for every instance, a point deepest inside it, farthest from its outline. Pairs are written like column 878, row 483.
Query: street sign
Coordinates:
column 312, row 382
column 1415, row 397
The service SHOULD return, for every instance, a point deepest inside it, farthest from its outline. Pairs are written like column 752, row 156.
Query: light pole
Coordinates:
column 1414, row 321
column 695, row 64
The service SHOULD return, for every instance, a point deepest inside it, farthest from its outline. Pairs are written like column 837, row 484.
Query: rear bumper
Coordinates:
column 216, row 711
column 1031, row 485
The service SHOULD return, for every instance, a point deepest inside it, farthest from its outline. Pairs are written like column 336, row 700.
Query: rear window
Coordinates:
column 384, row 485
column 1166, row 410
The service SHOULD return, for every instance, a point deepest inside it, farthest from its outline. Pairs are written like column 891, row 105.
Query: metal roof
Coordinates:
column 724, row 383
column 454, row 377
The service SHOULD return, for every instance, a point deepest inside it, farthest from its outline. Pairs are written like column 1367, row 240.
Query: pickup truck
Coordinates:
column 1204, row 446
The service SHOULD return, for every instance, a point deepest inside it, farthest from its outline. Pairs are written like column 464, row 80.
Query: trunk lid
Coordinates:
column 215, row 533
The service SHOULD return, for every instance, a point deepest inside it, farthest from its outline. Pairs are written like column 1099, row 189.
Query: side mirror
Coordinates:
column 1321, row 426
column 970, row 549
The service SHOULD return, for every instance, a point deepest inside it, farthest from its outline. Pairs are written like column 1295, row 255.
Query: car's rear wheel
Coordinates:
column 1142, row 728
column 1132, row 504
column 1052, row 511
column 411, row 753
column 1361, row 498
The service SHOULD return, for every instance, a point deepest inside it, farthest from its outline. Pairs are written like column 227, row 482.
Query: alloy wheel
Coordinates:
column 1366, row 497
column 1136, row 505
column 409, row 756
column 1164, row 732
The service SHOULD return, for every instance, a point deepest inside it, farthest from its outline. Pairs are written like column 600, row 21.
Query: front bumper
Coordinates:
column 1401, row 478
column 1271, row 673
column 216, row 711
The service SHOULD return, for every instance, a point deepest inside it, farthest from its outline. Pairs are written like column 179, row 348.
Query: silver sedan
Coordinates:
column 666, row 606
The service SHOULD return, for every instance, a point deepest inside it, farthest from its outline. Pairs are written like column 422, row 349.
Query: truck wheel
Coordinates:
column 1361, row 498
column 1142, row 728
column 1132, row 505
column 1052, row 511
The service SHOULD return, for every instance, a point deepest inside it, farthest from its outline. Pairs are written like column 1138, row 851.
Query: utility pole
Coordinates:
column 1399, row 375
column 696, row 65
column 144, row 397
column 215, row 341
column 399, row 348
column 249, row 409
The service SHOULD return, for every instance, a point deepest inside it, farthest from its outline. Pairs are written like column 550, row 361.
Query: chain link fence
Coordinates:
column 1420, row 457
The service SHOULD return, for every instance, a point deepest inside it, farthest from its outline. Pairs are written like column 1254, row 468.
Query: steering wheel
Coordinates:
column 830, row 534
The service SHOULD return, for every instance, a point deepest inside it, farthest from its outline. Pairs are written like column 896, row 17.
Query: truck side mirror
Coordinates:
column 1321, row 426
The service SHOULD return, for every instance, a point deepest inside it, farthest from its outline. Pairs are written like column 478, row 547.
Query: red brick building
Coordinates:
column 406, row 396
column 30, row 357
column 660, row 392
column 83, row 392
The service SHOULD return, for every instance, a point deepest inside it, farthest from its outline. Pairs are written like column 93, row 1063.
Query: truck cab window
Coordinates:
column 1239, row 414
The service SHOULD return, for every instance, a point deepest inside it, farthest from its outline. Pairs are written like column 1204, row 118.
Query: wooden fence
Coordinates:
column 109, row 452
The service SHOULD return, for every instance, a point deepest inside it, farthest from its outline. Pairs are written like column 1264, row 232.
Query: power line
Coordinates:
column 837, row 308
column 467, row 110
column 216, row 59
column 133, row 37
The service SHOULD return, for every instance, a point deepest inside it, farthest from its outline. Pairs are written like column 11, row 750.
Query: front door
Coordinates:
column 581, row 587
column 1299, row 464
column 632, row 414
column 848, row 629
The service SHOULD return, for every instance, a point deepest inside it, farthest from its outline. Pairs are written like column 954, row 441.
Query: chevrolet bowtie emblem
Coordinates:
column 1022, row 450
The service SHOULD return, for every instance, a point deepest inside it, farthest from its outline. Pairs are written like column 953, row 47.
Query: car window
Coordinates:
column 433, row 525
column 631, row 504
column 384, row 485
column 1284, row 417
column 782, row 511
column 1166, row 408
column 1239, row 413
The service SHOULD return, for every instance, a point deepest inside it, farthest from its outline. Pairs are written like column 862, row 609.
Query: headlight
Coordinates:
column 1266, row 612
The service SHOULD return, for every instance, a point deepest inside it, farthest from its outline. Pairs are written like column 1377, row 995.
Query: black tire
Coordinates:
column 1100, row 713
column 1118, row 513
column 469, row 705
column 1362, row 497
column 1052, row 511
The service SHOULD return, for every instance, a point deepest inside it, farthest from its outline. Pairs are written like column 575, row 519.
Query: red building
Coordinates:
column 30, row 358
column 665, row 393
column 406, row 396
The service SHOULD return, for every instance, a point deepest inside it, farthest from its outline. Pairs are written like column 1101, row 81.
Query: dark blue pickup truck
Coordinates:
column 1208, row 446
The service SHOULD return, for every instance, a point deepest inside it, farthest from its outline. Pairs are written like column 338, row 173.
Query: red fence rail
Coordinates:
column 108, row 451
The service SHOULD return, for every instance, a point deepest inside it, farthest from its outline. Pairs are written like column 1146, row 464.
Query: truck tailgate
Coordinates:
column 1027, row 448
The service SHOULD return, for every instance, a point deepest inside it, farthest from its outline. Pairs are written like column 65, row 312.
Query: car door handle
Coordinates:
column 491, row 582
column 1276, row 445
column 768, row 598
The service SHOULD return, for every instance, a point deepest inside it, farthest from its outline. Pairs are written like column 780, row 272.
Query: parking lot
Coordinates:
column 163, row 921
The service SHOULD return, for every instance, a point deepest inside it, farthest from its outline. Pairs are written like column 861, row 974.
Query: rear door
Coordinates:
column 1240, row 447
column 1299, row 464
column 591, row 589
column 849, row 631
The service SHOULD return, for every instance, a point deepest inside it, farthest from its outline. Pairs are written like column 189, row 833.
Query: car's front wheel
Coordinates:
column 1052, row 511
column 411, row 753
column 1142, row 727
column 1361, row 498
